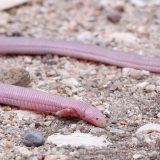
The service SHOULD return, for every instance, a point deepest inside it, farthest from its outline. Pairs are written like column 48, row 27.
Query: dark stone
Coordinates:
column 33, row 137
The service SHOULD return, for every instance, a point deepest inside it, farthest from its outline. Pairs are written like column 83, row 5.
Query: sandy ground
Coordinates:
column 130, row 97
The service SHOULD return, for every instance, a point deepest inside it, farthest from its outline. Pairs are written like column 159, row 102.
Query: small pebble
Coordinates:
column 142, row 85
column 150, row 88
column 134, row 73
column 73, row 127
column 124, row 37
column 117, row 85
column 71, row 82
column 47, row 123
column 143, row 31
column 147, row 128
column 138, row 156
column 114, row 16
column 116, row 131
column 98, row 131
column 28, row 60
column 33, row 137
column 107, row 113
column 85, row 36
column 153, row 155
column 149, row 134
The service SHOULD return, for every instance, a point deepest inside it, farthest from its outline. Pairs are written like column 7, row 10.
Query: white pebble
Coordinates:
column 137, row 156
column 124, row 37
column 28, row 60
column 147, row 128
column 71, row 82
column 85, row 36
column 78, row 139
column 142, row 85
column 150, row 88
column 134, row 73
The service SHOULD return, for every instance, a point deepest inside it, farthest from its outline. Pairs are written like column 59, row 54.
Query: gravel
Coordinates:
column 130, row 97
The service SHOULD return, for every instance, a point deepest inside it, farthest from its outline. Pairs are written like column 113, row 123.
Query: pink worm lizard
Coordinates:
column 41, row 101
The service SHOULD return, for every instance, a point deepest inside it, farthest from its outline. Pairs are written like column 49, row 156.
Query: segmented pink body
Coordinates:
column 42, row 101
column 30, row 99
column 78, row 50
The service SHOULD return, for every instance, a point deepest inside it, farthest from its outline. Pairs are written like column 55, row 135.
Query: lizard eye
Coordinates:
column 97, row 119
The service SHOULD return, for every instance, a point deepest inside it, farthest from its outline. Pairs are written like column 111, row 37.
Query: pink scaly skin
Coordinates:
column 30, row 99
column 42, row 101
column 31, row 46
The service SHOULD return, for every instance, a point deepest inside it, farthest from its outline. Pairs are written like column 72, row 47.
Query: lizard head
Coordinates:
column 94, row 116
